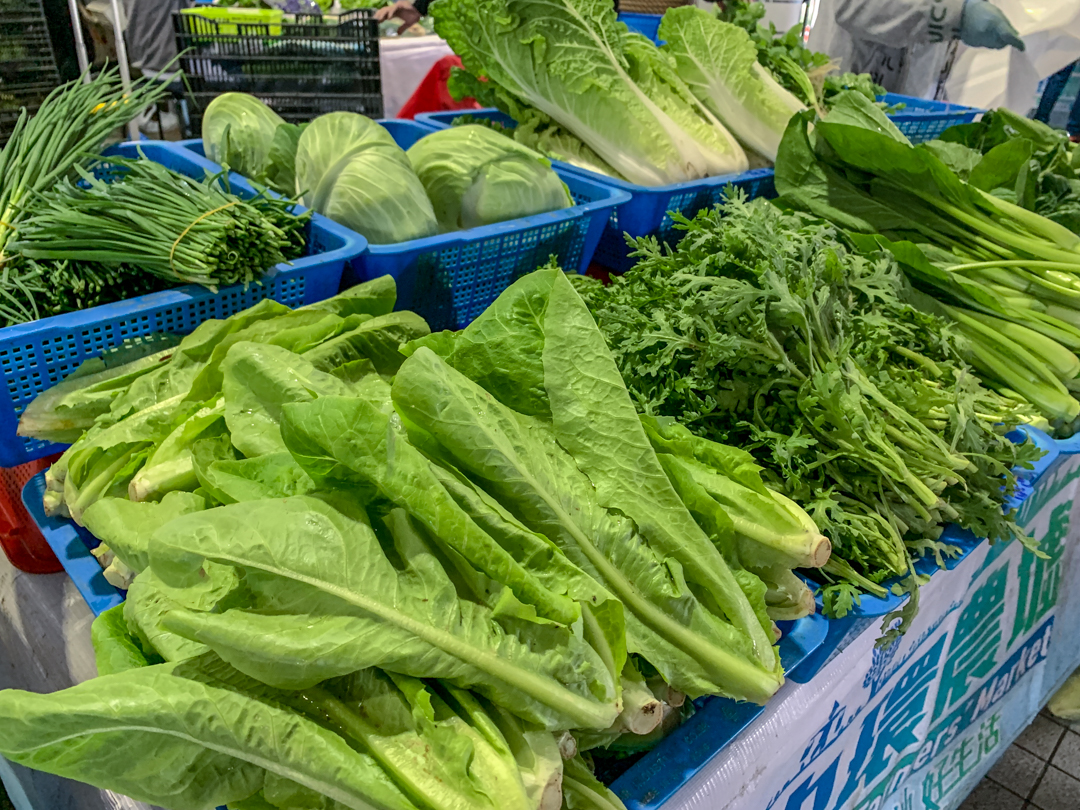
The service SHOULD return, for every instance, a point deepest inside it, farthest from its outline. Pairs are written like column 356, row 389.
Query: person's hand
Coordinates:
column 402, row 10
column 983, row 25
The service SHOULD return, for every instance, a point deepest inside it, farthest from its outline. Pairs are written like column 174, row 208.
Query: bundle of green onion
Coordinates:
column 169, row 225
column 68, row 130
column 33, row 290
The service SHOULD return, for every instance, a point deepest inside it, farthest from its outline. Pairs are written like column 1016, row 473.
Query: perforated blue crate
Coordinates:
column 923, row 120
column 644, row 24
column 452, row 278
column 647, row 211
column 35, row 356
column 72, row 546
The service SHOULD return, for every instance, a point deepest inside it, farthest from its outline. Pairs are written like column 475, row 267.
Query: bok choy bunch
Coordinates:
column 983, row 255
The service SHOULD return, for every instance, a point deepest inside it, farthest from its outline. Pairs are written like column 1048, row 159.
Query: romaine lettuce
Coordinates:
column 566, row 58
column 718, row 60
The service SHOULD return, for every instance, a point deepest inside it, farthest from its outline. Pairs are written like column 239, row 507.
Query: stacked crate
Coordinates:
column 28, row 70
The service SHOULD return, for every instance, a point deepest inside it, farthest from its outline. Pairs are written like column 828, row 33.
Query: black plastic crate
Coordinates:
column 28, row 70
column 301, row 67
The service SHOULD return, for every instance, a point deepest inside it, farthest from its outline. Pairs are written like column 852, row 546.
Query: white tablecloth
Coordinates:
column 404, row 63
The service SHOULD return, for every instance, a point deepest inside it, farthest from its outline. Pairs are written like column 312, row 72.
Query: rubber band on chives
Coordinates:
column 176, row 244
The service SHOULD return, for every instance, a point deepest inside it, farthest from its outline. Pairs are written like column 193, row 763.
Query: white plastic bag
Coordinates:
column 1008, row 78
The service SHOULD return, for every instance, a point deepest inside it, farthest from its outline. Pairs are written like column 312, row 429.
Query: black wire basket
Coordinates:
column 301, row 67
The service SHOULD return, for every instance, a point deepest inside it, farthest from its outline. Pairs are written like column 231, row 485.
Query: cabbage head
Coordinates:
column 476, row 176
column 350, row 169
column 238, row 131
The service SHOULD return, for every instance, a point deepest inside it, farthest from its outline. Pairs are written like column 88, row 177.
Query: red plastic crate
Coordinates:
column 19, row 537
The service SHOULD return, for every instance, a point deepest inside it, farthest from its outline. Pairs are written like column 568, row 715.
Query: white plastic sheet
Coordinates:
column 404, row 63
column 45, row 646
column 1008, row 78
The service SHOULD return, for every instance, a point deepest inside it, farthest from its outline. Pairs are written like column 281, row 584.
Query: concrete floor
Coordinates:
column 1040, row 771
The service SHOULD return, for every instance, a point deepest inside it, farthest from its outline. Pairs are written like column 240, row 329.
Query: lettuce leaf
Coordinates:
column 718, row 60
column 565, row 58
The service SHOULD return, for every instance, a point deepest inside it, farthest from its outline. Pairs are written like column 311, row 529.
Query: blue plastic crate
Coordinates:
column 646, row 212
column 645, row 24
column 35, row 356
column 452, row 278
column 923, row 120
column 72, row 546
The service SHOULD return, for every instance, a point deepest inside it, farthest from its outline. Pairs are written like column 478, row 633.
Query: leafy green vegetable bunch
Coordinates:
column 765, row 330
column 145, row 215
column 963, row 242
column 1039, row 167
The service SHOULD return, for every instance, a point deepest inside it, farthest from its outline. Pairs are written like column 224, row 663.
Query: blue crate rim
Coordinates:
column 923, row 109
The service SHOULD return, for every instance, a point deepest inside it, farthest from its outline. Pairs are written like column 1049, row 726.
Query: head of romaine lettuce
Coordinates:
column 350, row 169
column 237, row 131
column 476, row 176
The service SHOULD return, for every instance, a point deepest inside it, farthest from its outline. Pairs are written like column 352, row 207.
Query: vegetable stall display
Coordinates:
column 771, row 332
column 350, row 169
column 419, row 555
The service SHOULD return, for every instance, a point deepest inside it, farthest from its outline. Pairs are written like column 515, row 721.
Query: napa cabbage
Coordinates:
column 567, row 59
column 718, row 61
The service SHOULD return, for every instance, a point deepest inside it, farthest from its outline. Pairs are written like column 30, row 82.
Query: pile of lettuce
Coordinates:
column 349, row 168
column 408, row 570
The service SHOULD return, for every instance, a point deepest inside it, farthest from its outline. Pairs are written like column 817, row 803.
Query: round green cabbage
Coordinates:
column 238, row 131
column 350, row 169
column 475, row 176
